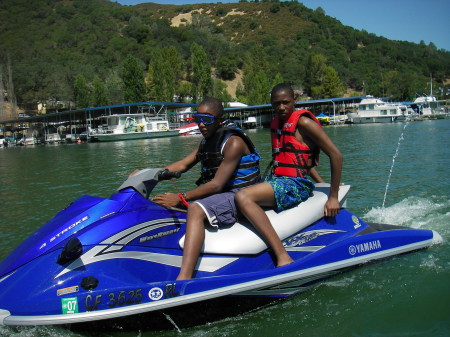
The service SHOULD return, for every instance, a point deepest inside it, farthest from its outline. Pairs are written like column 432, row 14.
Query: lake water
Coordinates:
column 408, row 295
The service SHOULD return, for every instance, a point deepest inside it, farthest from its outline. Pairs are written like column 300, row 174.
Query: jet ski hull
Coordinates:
column 106, row 258
column 125, row 284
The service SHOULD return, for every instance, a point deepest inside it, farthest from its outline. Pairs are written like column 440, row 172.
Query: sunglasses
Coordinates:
column 206, row 119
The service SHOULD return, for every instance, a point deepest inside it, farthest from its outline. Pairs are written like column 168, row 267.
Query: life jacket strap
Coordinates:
column 250, row 179
column 281, row 132
column 278, row 164
column 290, row 150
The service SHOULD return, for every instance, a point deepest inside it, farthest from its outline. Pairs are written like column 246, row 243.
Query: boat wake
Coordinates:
column 414, row 212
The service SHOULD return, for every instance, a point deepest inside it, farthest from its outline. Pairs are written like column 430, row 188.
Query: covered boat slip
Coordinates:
column 76, row 124
column 81, row 124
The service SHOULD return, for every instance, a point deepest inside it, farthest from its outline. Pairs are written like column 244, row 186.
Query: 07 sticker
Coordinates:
column 69, row 305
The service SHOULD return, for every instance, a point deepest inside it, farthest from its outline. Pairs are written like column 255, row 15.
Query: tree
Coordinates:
column 256, row 79
column 133, row 80
column 81, row 92
column 219, row 90
column 226, row 67
column 164, row 72
column 201, row 72
column 314, row 75
column 332, row 84
column 99, row 96
column 185, row 91
column 259, row 88
column 322, row 80
column 277, row 79
column 172, row 64
column 114, row 88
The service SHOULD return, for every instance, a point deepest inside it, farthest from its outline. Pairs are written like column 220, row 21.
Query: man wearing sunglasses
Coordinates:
column 229, row 162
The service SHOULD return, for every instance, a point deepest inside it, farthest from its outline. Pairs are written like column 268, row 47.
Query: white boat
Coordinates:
column 189, row 129
column 52, row 138
column 250, row 123
column 31, row 136
column 131, row 126
column 375, row 110
column 339, row 119
column 427, row 107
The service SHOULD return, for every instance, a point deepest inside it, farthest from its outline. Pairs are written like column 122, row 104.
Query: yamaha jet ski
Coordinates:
column 103, row 258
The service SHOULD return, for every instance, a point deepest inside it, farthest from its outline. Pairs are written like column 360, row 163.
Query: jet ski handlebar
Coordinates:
column 144, row 181
column 167, row 175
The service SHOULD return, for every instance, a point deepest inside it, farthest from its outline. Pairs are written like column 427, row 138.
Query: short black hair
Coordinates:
column 282, row 87
column 215, row 104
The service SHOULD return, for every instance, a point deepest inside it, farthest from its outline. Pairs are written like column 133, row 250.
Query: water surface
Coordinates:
column 408, row 295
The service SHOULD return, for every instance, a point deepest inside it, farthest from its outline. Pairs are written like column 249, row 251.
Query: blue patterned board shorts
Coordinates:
column 289, row 191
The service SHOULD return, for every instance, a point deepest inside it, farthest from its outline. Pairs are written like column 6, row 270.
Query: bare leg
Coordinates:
column 248, row 201
column 195, row 236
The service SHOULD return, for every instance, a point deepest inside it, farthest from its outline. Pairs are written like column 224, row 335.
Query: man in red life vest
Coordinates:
column 297, row 138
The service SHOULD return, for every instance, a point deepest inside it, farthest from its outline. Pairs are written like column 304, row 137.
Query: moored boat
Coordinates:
column 131, row 126
column 375, row 110
column 323, row 119
column 189, row 129
column 427, row 107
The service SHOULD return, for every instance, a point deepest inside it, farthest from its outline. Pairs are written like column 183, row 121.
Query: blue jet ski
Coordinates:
column 103, row 258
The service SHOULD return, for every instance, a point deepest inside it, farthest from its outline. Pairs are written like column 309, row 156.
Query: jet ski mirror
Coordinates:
column 71, row 251
column 144, row 181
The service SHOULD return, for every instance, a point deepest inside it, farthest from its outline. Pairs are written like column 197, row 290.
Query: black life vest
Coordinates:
column 210, row 155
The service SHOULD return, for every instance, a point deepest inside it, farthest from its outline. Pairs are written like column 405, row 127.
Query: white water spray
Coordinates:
column 392, row 169
column 173, row 322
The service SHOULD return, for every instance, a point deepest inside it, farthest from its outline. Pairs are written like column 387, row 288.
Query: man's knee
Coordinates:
column 195, row 211
column 241, row 197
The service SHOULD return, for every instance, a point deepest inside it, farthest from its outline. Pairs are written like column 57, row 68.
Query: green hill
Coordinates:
column 82, row 51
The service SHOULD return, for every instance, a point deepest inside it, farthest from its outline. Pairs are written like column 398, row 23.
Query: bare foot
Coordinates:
column 181, row 277
column 284, row 261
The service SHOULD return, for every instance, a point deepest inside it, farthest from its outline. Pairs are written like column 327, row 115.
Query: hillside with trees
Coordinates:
column 98, row 52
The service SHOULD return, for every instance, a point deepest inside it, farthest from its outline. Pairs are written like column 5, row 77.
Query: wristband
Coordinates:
column 183, row 200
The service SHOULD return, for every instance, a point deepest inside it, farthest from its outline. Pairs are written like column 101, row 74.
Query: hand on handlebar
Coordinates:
column 167, row 199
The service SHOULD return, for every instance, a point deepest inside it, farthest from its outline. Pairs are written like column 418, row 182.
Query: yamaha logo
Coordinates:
column 364, row 247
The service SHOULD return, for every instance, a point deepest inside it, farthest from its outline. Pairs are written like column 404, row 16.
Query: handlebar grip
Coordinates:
column 166, row 175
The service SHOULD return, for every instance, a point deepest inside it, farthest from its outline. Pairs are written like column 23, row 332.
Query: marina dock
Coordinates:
column 95, row 123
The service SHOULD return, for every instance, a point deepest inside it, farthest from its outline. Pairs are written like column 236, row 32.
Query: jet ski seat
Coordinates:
column 242, row 238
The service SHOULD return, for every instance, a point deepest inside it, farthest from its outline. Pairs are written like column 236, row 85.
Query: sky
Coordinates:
column 402, row 20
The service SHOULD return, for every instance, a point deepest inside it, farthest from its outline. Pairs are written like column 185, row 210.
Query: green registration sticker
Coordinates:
column 69, row 305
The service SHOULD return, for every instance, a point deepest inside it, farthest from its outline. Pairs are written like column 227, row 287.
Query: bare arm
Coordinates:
column 315, row 176
column 184, row 164
column 233, row 151
column 309, row 128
